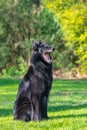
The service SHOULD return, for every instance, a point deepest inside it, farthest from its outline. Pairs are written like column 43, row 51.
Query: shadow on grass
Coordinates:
column 8, row 81
column 66, row 107
column 68, row 116
column 5, row 112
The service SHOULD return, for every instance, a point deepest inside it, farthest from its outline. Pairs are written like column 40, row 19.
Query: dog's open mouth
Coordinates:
column 46, row 57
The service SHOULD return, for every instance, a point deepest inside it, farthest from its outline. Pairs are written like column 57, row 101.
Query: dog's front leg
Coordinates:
column 44, row 107
column 36, row 108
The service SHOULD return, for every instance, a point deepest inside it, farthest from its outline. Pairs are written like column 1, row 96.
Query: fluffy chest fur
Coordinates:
column 41, row 78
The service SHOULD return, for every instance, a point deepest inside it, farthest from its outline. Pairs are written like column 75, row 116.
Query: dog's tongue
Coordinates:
column 47, row 57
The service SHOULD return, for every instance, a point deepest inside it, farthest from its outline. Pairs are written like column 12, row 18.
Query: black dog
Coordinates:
column 32, row 97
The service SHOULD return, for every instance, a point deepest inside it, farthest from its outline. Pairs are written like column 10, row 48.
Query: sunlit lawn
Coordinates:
column 67, row 106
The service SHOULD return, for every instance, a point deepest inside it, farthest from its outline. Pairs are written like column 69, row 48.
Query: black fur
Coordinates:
column 32, row 97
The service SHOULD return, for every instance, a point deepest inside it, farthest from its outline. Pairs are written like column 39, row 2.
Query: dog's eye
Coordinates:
column 42, row 46
column 40, row 42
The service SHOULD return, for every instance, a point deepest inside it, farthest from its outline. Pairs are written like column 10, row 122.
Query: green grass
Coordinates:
column 67, row 106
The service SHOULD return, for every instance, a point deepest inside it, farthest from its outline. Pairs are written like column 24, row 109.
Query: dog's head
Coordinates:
column 43, row 50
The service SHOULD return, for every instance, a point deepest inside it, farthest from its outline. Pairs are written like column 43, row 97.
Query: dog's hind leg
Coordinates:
column 22, row 109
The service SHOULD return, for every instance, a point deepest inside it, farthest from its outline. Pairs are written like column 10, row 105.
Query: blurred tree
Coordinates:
column 37, row 2
column 72, row 15
column 20, row 22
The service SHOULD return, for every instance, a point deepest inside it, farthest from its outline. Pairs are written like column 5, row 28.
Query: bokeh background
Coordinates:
column 61, row 23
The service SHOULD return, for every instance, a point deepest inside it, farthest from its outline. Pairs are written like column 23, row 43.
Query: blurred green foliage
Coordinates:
column 72, row 15
column 60, row 23
column 21, row 22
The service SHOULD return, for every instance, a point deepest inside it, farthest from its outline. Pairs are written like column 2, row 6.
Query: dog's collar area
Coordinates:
column 39, row 64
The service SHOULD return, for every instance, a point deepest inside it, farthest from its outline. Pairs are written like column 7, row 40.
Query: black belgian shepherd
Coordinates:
column 32, row 98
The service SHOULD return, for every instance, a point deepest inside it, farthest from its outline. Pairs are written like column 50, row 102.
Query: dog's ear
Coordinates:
column 40, row 42
column 33, row 43
column 35, row 46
